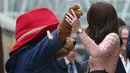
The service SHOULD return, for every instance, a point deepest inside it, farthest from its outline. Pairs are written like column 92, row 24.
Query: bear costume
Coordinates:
column 33, row 51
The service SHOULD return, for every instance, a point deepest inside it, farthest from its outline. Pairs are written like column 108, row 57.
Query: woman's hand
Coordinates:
column 73, row 20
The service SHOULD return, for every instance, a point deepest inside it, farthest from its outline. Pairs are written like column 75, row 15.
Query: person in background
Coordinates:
column 123, row 62
column 70, row 64
column 101, row 40
column 123, row 32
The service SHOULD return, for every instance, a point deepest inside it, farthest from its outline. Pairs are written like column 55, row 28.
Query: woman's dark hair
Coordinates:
column 102, row 20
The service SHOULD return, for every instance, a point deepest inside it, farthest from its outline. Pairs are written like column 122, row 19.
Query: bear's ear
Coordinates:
column 78, row 13
column 76, row 10
column 76, row 7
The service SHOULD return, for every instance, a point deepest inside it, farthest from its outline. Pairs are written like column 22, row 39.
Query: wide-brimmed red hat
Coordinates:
column 33, row 24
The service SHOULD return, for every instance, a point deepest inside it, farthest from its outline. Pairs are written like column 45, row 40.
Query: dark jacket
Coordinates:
column 128, row 47
column 119, row 68
column 81, row 68
column 36, row 58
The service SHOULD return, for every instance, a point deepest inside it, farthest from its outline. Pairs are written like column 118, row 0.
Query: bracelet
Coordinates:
column 80, row 30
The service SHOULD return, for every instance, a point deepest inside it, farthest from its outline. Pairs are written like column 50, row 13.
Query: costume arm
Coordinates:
column 86, row 57
column 104, row 48
column 44, row 52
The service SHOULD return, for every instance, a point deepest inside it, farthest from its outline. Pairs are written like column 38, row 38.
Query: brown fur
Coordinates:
column 64, row 29
column 67, row 48
column 64, row 32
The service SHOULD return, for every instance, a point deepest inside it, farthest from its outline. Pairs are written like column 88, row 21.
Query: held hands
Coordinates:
column 73, row 20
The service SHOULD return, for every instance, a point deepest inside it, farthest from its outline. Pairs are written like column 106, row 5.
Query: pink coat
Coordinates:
column 105, row 55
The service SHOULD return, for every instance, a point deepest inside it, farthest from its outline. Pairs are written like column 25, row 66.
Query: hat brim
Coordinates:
column 33, row 37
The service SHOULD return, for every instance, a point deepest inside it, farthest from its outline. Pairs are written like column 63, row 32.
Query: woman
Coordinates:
column 101, row 38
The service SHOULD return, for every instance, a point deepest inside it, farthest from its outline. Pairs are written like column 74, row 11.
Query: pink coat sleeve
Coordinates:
column 106, row 47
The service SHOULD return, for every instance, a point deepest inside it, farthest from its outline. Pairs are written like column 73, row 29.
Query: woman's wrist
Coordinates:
column 79, row 30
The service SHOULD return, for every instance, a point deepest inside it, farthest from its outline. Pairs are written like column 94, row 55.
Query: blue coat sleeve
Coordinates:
column 128, row 47
column 86, row 57
column 44, row 52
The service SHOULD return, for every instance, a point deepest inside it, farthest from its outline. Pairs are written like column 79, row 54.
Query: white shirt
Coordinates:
column 73, row 65
column 126, row 66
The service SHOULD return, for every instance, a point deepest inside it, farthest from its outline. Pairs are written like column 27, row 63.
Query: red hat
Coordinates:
column 33, row 24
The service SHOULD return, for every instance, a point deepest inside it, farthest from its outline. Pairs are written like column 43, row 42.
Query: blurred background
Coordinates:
column 11, row 9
